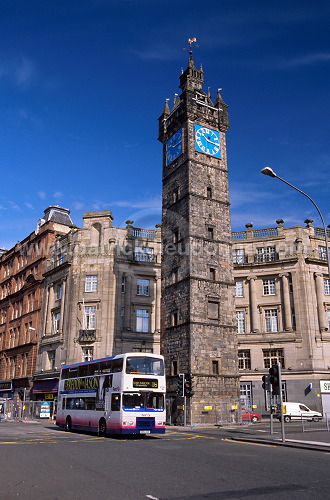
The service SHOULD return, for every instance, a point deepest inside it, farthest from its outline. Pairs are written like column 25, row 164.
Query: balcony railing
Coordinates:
column 266, row 257
column 144, row 233
column 144, row 257
column 87, row 335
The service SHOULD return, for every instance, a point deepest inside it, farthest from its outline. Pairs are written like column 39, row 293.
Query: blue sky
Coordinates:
column 83, row 82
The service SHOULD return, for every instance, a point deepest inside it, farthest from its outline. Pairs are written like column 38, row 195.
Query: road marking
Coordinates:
column 151, row 497
column 181, row 435
column 248, row 442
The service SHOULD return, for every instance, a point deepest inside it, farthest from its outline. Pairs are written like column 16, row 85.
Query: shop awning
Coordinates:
column 49, row 385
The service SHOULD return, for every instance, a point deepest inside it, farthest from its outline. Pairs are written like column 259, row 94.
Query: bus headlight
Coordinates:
column 128, row 423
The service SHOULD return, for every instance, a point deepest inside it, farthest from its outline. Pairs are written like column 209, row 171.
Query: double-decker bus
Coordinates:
column 123, row 394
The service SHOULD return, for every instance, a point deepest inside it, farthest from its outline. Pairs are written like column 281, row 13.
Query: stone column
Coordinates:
column 158, row 303
column 50, row 304
column 62, row 306
column 128, row 300
column 286, row 302
column 255, row 326
column 320, row 300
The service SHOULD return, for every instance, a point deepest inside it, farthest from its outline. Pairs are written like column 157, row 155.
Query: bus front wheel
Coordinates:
column 68, row 424
column 102, row 427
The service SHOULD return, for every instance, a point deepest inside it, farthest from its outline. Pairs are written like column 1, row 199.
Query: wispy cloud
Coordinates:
column 302, row 61
column 58, row 195
column 22, row 72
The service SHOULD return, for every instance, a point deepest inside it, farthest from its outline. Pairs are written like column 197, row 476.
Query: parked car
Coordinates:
column 250, row 415
column 297, row 411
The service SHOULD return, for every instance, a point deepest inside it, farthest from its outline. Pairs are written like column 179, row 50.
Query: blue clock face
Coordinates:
column 207, row 141
column 174, row 147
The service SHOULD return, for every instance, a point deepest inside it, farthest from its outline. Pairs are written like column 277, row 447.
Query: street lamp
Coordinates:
column 271, row 173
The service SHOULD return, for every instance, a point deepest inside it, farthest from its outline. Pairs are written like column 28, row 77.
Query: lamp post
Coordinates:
column 271, row 173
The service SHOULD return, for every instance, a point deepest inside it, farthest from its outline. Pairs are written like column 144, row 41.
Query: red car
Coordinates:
column 251, row 416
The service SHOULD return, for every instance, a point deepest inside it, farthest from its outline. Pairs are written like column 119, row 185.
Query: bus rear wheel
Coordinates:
column 102, row 427
column 68, row 424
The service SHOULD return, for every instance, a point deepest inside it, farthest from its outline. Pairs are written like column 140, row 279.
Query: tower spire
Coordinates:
column 192, row 78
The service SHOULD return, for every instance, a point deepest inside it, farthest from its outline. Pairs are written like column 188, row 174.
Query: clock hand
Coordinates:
column 175, row 145
column 211, row 142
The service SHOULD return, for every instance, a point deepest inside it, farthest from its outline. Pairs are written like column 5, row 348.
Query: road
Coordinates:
column 40, row 461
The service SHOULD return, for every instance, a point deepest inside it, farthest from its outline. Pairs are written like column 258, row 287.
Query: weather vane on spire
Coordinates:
column 191, row 41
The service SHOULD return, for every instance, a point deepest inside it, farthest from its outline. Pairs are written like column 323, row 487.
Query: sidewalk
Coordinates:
column 313, row 439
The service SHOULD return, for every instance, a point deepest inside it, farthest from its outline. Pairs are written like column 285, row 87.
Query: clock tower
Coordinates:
column 198, row 337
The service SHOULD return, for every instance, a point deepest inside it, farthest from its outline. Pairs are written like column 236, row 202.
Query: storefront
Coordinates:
column 45, row 390
column 6, row 389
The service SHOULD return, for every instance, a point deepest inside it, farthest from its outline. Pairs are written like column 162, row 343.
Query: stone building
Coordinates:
column 102, row 296
column 198, row 324
column 282, row 294
column 21, row 294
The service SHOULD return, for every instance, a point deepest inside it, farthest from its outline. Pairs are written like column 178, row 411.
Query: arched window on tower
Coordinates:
column 96, row 233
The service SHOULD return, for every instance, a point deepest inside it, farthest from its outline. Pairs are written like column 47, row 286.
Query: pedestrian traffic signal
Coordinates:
column 266, row 383
column 188, row 386
column 180, row 388
column 274, row 379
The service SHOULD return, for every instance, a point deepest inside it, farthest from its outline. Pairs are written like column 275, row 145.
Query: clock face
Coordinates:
column 174, row 147
column 207, row 141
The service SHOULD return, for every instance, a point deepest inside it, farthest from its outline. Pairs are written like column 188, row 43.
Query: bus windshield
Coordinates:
column 143, row 400
column 148, row 366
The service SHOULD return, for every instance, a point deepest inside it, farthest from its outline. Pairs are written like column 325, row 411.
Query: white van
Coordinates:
column 297, row 411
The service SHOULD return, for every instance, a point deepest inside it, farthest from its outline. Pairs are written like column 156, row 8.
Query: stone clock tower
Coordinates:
column 198, row 335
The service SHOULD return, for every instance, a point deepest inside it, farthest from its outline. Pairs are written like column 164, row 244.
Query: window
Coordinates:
column 174, row 368
column 323, row 253
column 244, row 359
column 269, row 287
column 271, row 320
column 175, row 195
column 209, row 193
column 239, row 290
column 144, row 254
column 266, row 254
column 210, row 233
column 326, row 282
column 240, row 317
column 272, row 357
column 215, row 367
column 246, row 394
column 213, row 309
column 87, row 353
column 59, row 291
column 212, row 274
column 56, row 322
column 175, row 275
column 174, row 318
column 175, row 236
column 89, row 319
column 91, row 283
column 142, row 287
column 123, row 283
column 238, row 256
column 51, row 360
column 328, row 315
column 142, row 320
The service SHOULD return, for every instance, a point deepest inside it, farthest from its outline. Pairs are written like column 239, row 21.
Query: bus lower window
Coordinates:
column 115, row 402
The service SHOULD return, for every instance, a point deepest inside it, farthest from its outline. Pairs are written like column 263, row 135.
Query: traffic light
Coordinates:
column 21, row 394
column 274, row 379
column 180, row 389
column 188, row 386
column 266, row 383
